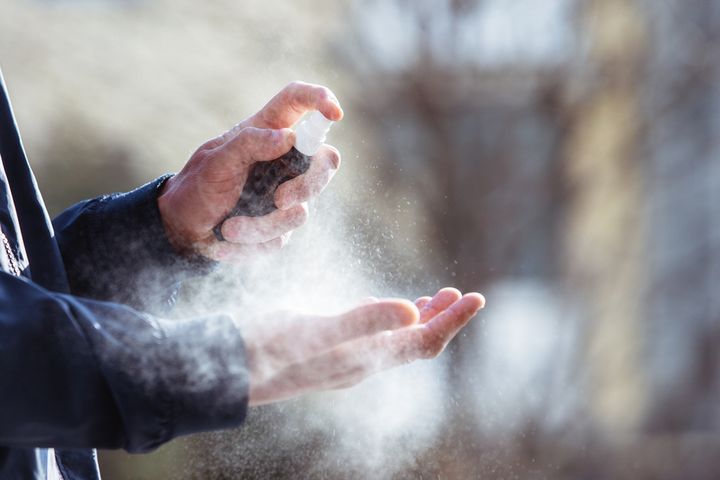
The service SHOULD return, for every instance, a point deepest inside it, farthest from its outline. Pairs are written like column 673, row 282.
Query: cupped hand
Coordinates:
column 289, row 355
column 199, row 197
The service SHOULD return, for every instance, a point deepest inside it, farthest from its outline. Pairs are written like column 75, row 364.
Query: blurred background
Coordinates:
column 561, row 156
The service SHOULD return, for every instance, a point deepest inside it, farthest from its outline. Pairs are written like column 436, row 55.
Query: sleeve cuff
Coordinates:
column 209, row 390
column 166, row 378
column 137, row 212
column 131, row 260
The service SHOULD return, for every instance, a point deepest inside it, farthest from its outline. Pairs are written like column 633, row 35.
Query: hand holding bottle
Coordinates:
column 258, row 194
column 200, row 197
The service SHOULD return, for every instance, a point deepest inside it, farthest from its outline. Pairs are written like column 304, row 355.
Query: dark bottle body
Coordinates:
column 257, row 197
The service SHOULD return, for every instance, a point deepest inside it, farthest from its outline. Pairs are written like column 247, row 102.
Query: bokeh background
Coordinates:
column 561, row 156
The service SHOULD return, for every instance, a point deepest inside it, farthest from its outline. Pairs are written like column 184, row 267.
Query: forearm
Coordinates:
column 115, row 248
column 79, row 373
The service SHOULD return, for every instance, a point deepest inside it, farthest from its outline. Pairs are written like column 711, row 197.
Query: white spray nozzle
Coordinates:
column 311, row 132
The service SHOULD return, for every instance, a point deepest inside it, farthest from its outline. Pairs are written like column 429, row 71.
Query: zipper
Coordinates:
column 14, row 265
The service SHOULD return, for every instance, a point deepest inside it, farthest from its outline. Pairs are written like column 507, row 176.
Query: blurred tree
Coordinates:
column 681, row 98
column 474, row 139
column 587, row 163
column 605, row 235
column 476, row 147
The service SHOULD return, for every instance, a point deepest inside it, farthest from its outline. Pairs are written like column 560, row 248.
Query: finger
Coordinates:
column 255, row 144
column 442, row 300
column 322, row 333
column 438, row 331
column 239, row 253
column 293, row 101
column 302, row 188
column 396, row 347
column 253, row 230
column 371, row 318
column 420, row 304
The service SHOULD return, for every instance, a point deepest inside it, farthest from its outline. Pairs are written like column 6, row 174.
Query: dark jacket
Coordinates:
column 77, row 369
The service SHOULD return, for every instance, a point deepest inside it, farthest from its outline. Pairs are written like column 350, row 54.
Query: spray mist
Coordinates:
column 264, row 178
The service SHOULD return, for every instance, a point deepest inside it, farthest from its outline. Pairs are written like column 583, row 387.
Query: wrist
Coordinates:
column 177, row 235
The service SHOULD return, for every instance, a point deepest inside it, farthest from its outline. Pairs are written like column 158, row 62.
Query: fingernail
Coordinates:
column 333, row 99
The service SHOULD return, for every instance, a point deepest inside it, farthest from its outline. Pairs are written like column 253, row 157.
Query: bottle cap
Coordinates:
column 310, row 134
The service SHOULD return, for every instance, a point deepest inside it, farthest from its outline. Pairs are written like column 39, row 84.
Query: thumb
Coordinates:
column 252, row 145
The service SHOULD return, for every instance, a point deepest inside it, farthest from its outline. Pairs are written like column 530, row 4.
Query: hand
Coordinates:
column 298, row 354
column 209, row 185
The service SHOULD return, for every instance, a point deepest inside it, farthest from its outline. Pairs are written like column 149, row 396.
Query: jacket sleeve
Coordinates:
column 114, row 248
column 80, row 373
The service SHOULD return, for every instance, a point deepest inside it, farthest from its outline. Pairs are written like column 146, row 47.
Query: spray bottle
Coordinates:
column 264, row 178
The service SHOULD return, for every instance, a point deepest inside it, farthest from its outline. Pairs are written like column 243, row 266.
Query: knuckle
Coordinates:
column 293, row 88
column 251, row 134
column 246, row 134
column 246, row 131
column 322, row 93
column 255, row 141
column 294, row 85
